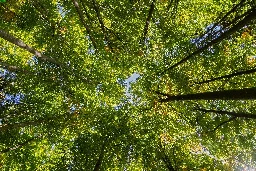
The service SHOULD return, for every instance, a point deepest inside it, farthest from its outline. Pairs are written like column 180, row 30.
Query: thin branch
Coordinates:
column 250, row 17
column 102, row 26
column 88, row 30
column 12, row 68
column 150, row 14
column 236, row 73
column 227, row 121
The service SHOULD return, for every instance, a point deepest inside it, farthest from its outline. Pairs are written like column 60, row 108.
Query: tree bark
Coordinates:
column 8, row 37
column 234, row 114
column 229, row 76
column 236, row 94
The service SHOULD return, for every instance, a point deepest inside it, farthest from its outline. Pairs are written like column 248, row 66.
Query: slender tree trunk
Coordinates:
column 150, row 14
column 234, row 114
column 236, row 94
column 101, row 156
column 22, row 45
column 229, row 76
column 247, row 19
column 88, row 30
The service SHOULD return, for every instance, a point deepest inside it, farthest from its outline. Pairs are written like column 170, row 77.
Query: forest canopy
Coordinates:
column 127, row 85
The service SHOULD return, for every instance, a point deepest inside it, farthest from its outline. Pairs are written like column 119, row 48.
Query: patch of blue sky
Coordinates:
column 61, row 10
column 128, row 89
column 212, row 32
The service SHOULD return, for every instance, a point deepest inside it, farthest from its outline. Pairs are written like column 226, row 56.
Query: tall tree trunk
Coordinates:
column 234, row 114
column 237, row 73
column 101, row 156
column 150, row 14
column 247, row 19
column 236, row 94
column 22, row 45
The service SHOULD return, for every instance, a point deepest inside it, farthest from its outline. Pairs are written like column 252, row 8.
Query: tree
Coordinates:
column 67, row 101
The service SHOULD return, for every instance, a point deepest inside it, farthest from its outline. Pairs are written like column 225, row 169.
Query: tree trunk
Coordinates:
column 6, row 36
column 236, row 94
column 234, row 114
column 251, row 16
column 150, row 13
column 229, row 76
column 166, row 158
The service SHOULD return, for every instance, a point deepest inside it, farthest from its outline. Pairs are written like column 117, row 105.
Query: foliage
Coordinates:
column 66, row 99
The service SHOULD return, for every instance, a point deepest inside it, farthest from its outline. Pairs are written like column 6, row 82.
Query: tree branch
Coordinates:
column 20, row 145
column 88, row 30
column 102, row 26
column 236, row 73
column 227, row 121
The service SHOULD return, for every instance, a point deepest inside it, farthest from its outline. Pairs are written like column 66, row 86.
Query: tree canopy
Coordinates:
column 127, row 85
